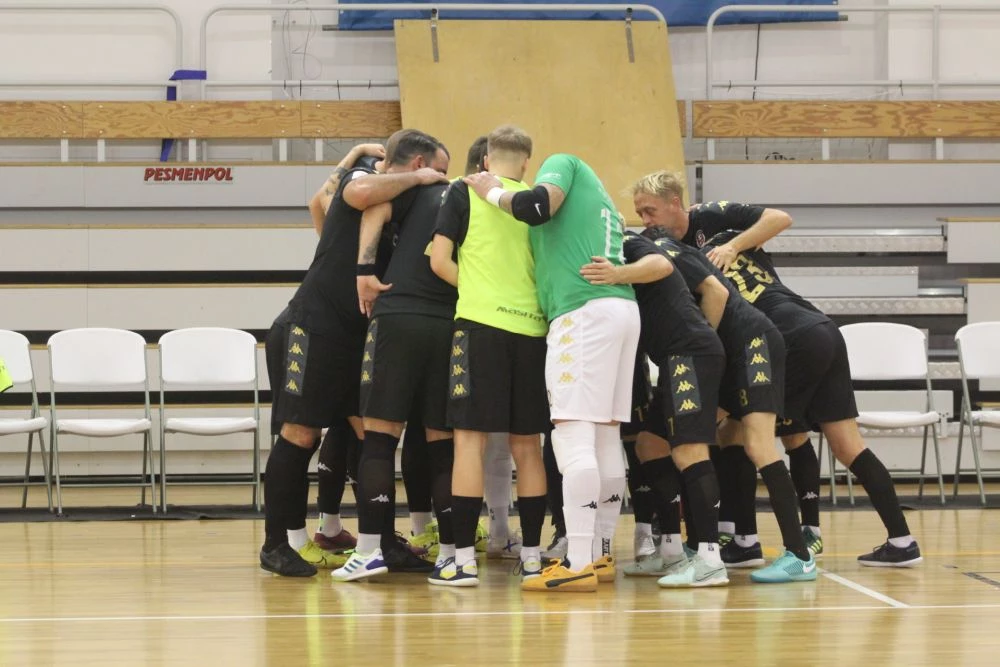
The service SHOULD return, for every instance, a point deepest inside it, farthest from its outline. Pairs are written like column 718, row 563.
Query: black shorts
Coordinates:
column 818, row 387
column 754, row 380
column 496, row 381
column 642, row 398
column 404, row 369
column 313, row 376
column 687, row 399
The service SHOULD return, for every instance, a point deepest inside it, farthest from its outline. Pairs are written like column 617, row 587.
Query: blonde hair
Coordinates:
column 663, row 184
column 508, row 139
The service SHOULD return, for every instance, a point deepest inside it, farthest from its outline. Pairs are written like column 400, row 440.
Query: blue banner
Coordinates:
column 677, row 12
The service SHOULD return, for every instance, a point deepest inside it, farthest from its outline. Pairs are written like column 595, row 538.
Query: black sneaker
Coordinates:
column 286, row 561
column 889, row 556
column 735, row 556
column 399, row 558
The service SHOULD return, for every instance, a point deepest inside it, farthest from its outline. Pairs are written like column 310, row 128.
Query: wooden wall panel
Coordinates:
column 41, row 120
column 917, row 119
column 195, row 120
column 350, row 119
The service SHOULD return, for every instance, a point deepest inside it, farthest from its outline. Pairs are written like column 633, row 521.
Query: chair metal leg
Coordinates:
column 163, row 467
column 923, row 467
column 958, row 455
column 937, row 459
column 975, row 455
column 54, row 463
column 45, row 468
column 27, row 471
column 256, row 470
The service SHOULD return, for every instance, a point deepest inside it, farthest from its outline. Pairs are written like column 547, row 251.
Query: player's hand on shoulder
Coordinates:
column 600, row 271
column 428, row 176
column 371, row 150
column 482, row 183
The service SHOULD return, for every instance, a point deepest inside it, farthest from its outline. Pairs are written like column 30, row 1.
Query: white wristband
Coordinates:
column 493, row 196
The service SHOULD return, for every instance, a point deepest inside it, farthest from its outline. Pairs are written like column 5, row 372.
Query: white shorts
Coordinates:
column 590, row 361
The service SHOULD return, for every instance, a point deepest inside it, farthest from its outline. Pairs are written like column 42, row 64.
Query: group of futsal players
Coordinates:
column 483, row 315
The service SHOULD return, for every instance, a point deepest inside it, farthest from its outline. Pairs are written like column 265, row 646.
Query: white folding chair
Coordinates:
column 979, row 358
column 16, row 353
column 205, row 359
column 98, row 359
column 883, row 351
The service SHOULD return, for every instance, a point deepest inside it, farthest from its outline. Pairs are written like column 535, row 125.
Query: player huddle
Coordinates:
column 486, row 306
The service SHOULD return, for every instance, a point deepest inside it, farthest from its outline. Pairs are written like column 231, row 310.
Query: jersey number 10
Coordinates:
column 613, row 223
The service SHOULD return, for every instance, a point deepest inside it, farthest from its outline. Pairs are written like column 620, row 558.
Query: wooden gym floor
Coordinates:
column 190, row 592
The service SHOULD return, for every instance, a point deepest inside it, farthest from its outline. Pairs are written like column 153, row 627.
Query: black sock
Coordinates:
column 690, row 528
column 782, row 494
column 703, row 492
column 283, row 479
column 804, row 466
column 720, row 459
column 376, row 482
column 531, row 511
column 878, row 485
column 662, row 478
column 465, row 511
column 744, row 479
column 553, row 481
column 416, row 465
column 332, row 469
column 643, row 503
column 442, row 461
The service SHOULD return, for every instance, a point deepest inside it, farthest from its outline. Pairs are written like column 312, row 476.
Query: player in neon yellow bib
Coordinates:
column 5, row 380
column 592, row 340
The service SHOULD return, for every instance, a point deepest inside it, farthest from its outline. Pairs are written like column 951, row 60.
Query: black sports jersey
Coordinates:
column 671, row 321
column 327, row 300
column 453, row 219
column 415, row 287
column 739, row 319
column 753, row 274
column 707, row 220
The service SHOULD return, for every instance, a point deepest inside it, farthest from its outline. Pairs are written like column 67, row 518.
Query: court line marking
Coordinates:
column 446, row 614
column 864, row 590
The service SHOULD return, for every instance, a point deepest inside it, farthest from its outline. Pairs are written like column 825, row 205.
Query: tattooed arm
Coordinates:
column 320, row 203
column 369, row 287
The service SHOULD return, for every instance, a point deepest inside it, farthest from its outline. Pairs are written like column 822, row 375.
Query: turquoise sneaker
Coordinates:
column 786, row 569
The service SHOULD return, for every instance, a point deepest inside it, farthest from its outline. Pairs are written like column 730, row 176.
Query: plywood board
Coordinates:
column 917, row 119
column 350, row 119
column 154, row 120
column 569, row 84
column 41, row 120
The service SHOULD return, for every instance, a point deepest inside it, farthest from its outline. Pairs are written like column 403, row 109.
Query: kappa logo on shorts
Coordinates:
column 685, row 395
column 459, row 381
column 759, row 364
column 457, row 370
column 566, row 323
column 566, row 340
column 368, row 357
column 565, row 358
column 366, row 377
column 566, row 378
column 459, row 391
column 295, row 359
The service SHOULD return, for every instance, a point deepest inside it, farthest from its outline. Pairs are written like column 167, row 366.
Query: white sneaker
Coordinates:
column 642, row 545
column 509, row 548
column 695, row 573
column 361, row 567
column 557, row 549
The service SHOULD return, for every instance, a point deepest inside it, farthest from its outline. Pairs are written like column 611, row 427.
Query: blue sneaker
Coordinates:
column 786, row 569
column 361, row 567
column 447, row 573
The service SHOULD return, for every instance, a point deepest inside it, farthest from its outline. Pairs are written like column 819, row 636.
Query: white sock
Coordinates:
column 497, row 489
column 611, row 466
column 901, row 542
column 574, row 446
column 815, row 529
column 643, row 530
column 329, row 524
column 419, row 521
column 464, row 555
column 368, row 543
column 746, row 541
column 298, row 538
column 531, row 553
column 710, row 553
column 727, row 527
column 445, row 551
column 671, row 545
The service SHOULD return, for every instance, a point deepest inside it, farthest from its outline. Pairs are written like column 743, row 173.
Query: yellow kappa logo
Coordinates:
column 296, row 349
column 684, row 386
column 680, row 370
column 688, row 404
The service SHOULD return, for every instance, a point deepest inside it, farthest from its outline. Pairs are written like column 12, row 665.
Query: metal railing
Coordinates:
column 935, row 83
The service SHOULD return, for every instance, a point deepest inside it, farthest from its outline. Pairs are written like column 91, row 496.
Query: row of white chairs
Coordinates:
column 217, row 358
column 883, row 351
column 98, row 359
